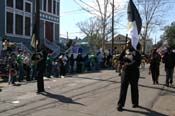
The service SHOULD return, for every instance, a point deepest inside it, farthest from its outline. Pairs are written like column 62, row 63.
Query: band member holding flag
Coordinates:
column 40, row 54
column 131, row 59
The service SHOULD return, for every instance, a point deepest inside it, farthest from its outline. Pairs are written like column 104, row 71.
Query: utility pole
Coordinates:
column 37, row 23
column 113, row 27
column 41, row 62
column 67, row 35
column 58, row 6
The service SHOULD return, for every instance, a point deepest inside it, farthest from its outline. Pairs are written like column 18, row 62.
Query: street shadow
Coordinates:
column 142, row 77
column 159, row 88
column 17, row 84
column 162, row 75
column 60, row 98
column 84, row 72
column 107, row 80
column 148, row 112
column 170, row 86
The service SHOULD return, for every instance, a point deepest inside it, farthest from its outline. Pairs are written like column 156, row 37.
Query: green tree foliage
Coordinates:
column 95, row 40
column 69, row 43
column 91, row 29
column 159, row 44
column 169, row 35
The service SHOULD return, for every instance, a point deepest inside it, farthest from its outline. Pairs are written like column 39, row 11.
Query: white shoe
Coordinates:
column 51, row 76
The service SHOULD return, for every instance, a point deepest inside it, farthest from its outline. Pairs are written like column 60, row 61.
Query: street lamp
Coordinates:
column 112, row 27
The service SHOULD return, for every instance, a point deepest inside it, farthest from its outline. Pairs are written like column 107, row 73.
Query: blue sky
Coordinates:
column 68, row 19
column 71, row 15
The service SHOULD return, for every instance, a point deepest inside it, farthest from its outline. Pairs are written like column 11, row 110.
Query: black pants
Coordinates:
column 155, row 74
column 62, row 70
column 27, row 72
column 79, row 67
column 126, row 79
column 40, row 82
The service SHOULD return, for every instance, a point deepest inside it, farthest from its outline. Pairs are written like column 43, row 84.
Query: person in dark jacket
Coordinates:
column 154, row 66
column 169, row 60
column 71, row 61
column 62, row 66
column 12, row 63
column 79, row 61
column 131, row 60
column 49, row 67
column 41, row 66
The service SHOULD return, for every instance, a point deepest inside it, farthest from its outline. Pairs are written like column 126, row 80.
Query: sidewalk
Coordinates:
column 94, row 94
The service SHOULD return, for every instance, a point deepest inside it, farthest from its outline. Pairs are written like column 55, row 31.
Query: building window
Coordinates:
column 27, row 26
column 9, row 23
column 19, row 4
column 18, row 20
column 10, row 3
column 49, row 5
column 44, row 5
column 54, row 7
column 49, row 30
column 58, row 5
column 19, row 25
column 27, row 7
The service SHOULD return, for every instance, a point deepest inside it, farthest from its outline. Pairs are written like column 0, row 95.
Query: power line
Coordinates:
column 71, row 14
column 76, row 10
column 82, row 10
column 72, row 33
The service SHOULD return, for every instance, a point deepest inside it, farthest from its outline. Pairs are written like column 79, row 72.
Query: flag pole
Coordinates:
column 37, row 18
column 40, row 64
column 126, row 39
column 35, row 46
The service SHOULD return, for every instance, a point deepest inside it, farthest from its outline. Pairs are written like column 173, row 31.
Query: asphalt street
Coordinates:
column 87, row 94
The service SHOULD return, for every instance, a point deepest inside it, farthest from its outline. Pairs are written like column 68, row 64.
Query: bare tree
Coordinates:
column 91, row 29
column 102, row 10
column 152, row 16
column 89, row 26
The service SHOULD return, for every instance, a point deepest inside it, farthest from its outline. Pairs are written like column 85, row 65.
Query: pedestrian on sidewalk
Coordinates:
column 154, row 66
column 26, row 65
column 34, row 61
column 131, row 60
column 169, row 61
column 71, row 63
column 62, row 66
column 79, row 61
column 12, row 66
column 49, row 62
column 20, row 61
